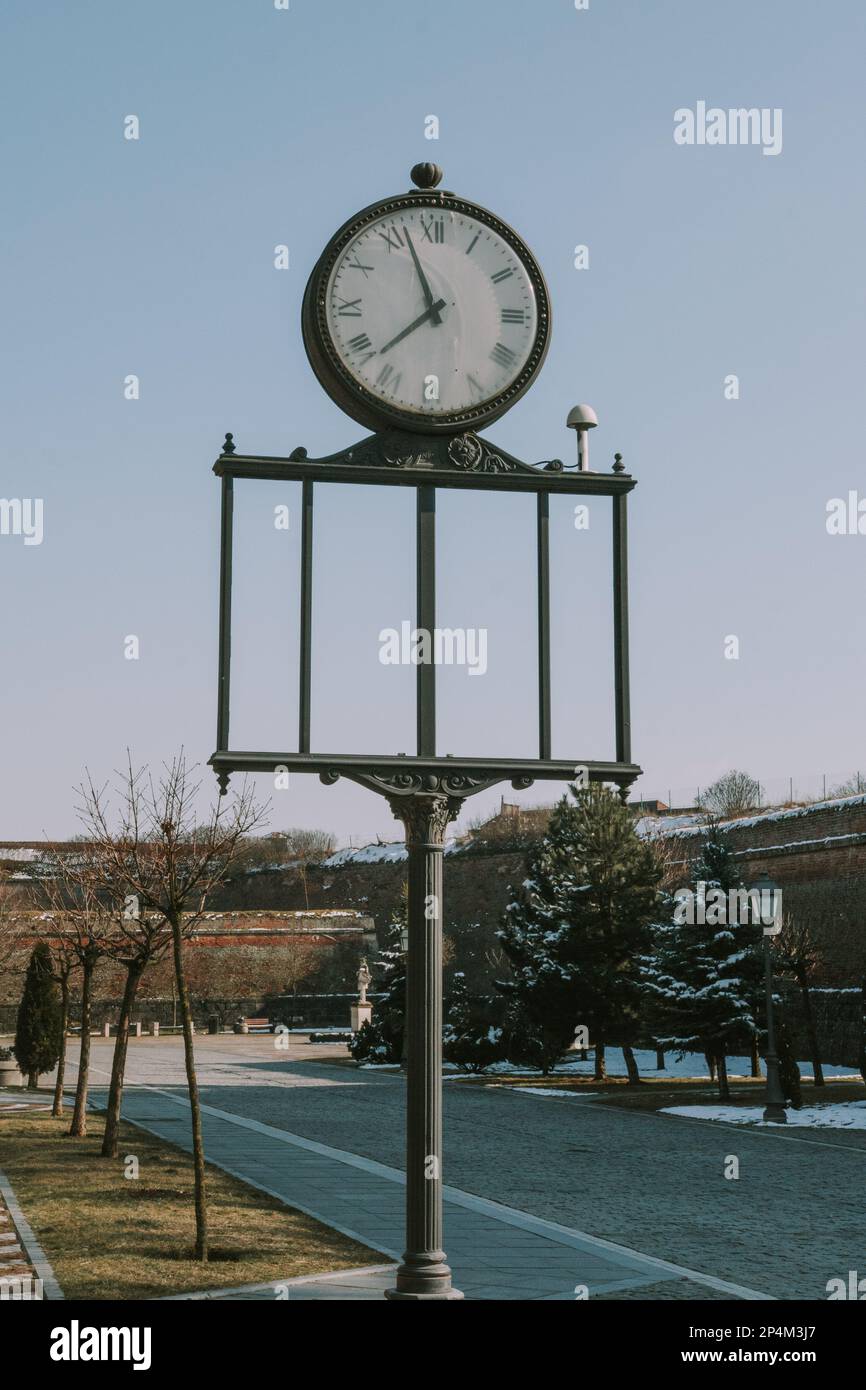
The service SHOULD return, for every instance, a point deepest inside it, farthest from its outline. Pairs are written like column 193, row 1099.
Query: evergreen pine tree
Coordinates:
column 704, row 979
column 473, row 1034
column 579, row 923
column 381, row 1040
column 38, row 1030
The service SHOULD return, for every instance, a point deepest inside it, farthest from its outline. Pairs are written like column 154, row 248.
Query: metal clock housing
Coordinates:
column 480, row 305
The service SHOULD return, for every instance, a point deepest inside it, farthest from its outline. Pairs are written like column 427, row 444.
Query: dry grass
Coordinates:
column 112, row 1237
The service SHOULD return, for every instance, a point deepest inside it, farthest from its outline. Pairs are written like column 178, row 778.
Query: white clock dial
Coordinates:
column 432, row 311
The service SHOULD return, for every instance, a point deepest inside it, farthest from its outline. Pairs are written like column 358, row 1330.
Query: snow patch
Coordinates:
column 849, row 1114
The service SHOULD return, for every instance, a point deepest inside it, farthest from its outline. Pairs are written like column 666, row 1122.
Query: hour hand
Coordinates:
column 425, row 286
column 432, row 313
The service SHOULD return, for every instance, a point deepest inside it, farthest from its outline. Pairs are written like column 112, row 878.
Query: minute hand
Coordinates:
column 416, row 323
column 425, row 285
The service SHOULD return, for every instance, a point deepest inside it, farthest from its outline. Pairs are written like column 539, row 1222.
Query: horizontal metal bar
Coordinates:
column 503, row 769
column 291, row 470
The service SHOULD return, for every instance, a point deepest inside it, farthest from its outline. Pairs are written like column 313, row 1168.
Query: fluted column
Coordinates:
column 424, row 1273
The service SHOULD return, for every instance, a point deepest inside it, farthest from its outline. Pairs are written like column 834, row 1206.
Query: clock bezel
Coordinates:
column 356, row 399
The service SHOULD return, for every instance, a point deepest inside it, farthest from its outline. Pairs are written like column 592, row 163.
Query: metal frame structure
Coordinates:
column 426, row 791
column 463, row 461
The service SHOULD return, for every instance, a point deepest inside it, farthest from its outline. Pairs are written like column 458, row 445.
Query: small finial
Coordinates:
column 618, row 465
column 229, row 446
column 426, row 176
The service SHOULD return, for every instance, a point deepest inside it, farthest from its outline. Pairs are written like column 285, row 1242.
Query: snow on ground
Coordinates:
column 693, row 1065
column 391, row 853
column 543, row 1091
column 684, row 826
column 849, row 1114
column 370, row 854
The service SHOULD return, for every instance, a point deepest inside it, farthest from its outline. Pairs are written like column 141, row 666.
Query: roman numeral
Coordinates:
column 503, row 356
column 434, row 230
column 472, row 243
column 387, row 378
column 360, row 343
column 501, row 275
column 475, row 386
column 513, row 316
column 356, row 265
column 349, row 308
column 393, row 238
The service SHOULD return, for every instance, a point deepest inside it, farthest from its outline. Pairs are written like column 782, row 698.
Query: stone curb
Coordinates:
column 33, row 1250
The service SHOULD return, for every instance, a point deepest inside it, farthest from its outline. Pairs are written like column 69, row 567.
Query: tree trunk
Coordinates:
column 711, row 1065
column 33, row 1081
column 660, row 1059
column 57, row 1107
column 862, row 1062
column 78, row 1128
column 600, row 1063
column 201, row 1251
column 811, row 1032
column 755, row 1059
column 631, row 1066
column 118, row 1065
column 722, row 1070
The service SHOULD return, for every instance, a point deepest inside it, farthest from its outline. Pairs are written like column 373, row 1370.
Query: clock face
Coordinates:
column 433, row 313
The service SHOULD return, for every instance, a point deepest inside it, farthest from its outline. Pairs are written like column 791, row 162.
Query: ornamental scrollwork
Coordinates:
column 464, row 453
column 468, row 452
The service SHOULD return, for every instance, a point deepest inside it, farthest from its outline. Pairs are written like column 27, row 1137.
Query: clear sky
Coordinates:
column 155, row 257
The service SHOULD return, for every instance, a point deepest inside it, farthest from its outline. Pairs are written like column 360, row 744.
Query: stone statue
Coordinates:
column 365, row 979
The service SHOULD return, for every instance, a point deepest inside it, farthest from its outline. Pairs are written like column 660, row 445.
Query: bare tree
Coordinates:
column 78, row 927
column 135, row 939
column 219, row 978
column 142, row 938
column 800, row 955
column 854, row 786
column 13, row 954
column 734, row 794
column 307, row 847
column 155, row 849
column 65, row 962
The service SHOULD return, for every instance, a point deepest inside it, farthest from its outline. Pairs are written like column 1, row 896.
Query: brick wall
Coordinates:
column 817, row 855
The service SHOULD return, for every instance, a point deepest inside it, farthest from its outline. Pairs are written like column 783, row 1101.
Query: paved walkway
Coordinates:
column 644, row 1185
column 495, row 1251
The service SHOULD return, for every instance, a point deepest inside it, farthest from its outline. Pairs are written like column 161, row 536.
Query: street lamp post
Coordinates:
column 774, row 1109
column 395, row 241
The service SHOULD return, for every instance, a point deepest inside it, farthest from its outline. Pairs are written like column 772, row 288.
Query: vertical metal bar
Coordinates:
column 620, row 629
column 544, row 625
column 306, row 664
column 426, row 609
column 225, row 632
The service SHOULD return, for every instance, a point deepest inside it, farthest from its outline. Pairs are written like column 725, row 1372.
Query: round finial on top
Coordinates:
column 426, row 176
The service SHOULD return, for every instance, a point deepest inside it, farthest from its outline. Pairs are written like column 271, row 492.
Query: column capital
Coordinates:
column 426, row 816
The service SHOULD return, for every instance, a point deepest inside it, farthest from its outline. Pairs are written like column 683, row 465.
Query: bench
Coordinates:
column 253, row 1025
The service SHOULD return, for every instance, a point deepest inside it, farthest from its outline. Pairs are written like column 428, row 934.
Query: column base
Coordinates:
column 776, row 1114
column 423, row 1280
column 395, row 1296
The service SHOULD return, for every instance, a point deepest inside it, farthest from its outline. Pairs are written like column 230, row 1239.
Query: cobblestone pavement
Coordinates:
column 794, row 1219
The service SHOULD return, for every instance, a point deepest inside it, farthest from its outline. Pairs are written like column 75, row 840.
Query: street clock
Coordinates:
column 427, row 313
